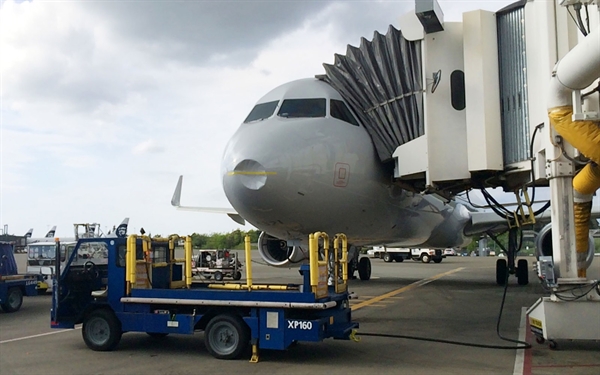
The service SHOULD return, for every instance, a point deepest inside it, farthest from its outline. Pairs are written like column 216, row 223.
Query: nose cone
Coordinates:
column 249, row 172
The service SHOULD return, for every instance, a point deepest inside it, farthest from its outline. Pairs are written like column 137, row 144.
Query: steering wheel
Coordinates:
column 90, row 268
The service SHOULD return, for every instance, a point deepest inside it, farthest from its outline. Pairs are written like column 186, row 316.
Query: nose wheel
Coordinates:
column 506, row 267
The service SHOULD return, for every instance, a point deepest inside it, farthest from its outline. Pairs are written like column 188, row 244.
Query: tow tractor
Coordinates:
column 142, row 287
column 12, row 285
column 217, row 263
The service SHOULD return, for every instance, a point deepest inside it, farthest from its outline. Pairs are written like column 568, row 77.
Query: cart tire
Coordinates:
column 399, row 259
column 437, row 260
column 218, row 276
column 364, row 268
column 552, row 344
column 501, row 271
column 157, row 335
column 237, row 275
column 387, row 257
column 226, row 336
column 101, row 330
column 425, row 258
column 540, row 339
column 42, row 291
column 522, row 272
column 14, row 300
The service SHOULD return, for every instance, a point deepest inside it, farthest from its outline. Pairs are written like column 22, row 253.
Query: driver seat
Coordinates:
column 100, row 294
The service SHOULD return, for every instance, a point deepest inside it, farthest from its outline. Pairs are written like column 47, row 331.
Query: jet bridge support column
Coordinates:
column 573, row 309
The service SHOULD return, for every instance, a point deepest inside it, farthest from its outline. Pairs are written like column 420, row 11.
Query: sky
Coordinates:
column 105, row 103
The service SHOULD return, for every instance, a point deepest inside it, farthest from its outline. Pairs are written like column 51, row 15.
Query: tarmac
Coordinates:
column 456, row 300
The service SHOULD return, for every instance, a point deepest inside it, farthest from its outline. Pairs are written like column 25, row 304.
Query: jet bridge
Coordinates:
column 505, row 99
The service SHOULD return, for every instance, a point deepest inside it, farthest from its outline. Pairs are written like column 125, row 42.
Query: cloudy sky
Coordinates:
column 105, row 103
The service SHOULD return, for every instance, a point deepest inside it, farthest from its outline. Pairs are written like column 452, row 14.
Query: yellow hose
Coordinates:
column 585, row 136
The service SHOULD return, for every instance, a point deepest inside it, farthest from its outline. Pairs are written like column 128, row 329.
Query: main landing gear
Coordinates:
column 505, row 268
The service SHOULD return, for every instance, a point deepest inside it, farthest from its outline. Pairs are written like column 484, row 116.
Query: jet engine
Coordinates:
column 543, row 245
column 277, row 253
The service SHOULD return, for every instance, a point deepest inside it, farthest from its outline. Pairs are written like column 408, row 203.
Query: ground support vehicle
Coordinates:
column 398, row 254
column 12, row 285
column 142, row 287
column 217, row 264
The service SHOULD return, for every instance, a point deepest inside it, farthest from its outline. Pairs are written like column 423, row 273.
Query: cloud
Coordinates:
column 105, row 103
column 148, row 147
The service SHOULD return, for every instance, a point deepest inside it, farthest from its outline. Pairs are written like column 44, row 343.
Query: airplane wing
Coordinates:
column 176, row 202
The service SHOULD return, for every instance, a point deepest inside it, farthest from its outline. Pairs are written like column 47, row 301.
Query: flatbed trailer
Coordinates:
column 12, row 285
column 142, row 287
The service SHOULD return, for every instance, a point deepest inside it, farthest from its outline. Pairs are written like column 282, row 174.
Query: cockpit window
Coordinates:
column 292, row 108
column 261, row 111
column 340, row 111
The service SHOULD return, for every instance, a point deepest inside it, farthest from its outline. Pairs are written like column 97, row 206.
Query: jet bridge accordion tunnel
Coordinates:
column 453, row 105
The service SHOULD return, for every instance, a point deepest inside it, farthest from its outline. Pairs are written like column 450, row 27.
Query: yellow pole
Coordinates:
column 188, row 261
column 248, row 249
column 313, row 247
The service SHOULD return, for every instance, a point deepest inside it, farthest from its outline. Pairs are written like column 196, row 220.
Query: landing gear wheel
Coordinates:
column 552, row 344
column 218, row 276
column 364, row 268
column 540, row 339
column 501, row 271
column 226, row 336
column 387, row 258
column 522, row 272
column 14, row 300
column 425, row 258
column 157, row 336
column 101, row 330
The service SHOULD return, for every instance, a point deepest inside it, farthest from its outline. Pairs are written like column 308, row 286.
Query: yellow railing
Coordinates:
column 131, row 262
column 341, row 262
column 318, row 267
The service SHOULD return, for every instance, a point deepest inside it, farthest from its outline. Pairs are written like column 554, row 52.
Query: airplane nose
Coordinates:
column 250, row 173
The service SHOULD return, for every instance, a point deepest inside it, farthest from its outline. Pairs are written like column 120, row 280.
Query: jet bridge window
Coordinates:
column 261, row 111
column 339, row 110
column 294, row 108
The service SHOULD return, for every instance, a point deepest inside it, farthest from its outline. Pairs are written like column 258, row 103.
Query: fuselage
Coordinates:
column 302, row 163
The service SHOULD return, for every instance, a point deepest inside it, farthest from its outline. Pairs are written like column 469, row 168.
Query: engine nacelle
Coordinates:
column 277, row 253
column 543, row 245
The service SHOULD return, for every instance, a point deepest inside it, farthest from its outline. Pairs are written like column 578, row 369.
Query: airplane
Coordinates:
column 30, row 239
column 301, row 162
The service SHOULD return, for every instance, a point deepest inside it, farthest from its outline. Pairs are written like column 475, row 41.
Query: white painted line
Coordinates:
column 40, row 335
column 520, row 356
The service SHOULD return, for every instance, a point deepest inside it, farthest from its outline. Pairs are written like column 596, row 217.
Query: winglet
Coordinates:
column 175, row 201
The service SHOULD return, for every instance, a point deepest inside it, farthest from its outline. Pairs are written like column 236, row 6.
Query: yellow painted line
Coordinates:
column 250, row 173
column 404, row 289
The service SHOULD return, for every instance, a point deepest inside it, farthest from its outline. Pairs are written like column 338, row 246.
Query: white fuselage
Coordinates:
column 292, row 176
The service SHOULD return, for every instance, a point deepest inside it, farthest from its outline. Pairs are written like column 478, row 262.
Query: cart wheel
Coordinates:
column 237, row 275
column 552, row 344
column 364, row 268
column 218, row 276
column 226, row 336
column 540, row 339
column 14, row 300
column 101, row 330
column 425, row 258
